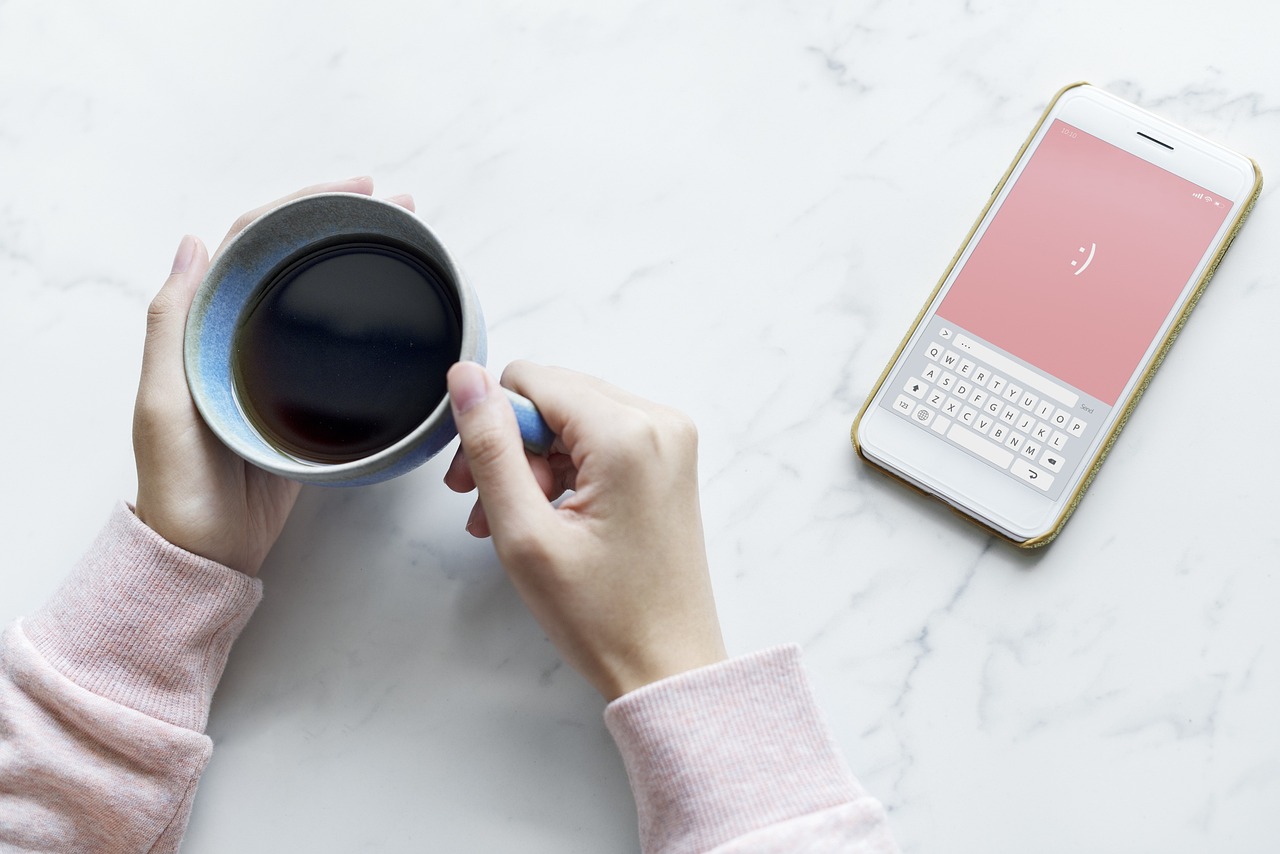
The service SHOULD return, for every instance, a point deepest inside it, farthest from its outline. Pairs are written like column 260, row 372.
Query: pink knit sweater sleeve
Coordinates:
column 105, row 692
column 735, row 758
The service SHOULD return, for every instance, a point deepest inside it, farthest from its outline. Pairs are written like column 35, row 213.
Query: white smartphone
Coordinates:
column 1007, row 392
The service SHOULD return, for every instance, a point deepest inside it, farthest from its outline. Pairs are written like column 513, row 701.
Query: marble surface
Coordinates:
column 735, row 208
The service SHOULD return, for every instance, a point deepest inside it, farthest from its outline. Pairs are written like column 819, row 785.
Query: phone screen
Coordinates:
column 1081, row 265
column 1056, row 306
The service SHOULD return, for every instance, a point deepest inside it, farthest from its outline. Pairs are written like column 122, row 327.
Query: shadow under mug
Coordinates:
column 236, row 281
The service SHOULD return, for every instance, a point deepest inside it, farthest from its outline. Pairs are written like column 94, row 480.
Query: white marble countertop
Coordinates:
column 735, row 208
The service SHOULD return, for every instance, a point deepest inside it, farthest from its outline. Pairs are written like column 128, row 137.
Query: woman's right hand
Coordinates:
column 616, row 573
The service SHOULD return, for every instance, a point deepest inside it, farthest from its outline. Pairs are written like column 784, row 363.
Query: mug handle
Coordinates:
column 535, row 432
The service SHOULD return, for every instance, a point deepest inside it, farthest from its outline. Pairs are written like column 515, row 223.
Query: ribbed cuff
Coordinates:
column 145, row 623
column 725, row 750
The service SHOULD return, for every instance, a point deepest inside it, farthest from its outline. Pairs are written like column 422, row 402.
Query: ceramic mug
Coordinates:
column 235, row 283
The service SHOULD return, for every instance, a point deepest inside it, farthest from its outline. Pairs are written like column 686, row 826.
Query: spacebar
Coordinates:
column 971, row 441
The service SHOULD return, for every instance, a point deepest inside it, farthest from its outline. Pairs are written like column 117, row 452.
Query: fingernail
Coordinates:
column 186, row 252
column 478, row 523
column 467, row 386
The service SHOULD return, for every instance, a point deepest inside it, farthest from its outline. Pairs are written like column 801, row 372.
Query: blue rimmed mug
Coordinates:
column 248, row 264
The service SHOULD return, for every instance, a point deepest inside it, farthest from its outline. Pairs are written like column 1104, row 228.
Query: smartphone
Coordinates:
column 1007, row 392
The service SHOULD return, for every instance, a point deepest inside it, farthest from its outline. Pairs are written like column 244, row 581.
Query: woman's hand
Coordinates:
column 616, row 573
column 192, row 490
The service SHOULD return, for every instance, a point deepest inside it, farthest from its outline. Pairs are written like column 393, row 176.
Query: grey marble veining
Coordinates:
column 736, row 208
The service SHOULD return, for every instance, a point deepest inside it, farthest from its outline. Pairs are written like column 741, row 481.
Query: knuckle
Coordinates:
column 514, row 370
column 661, row 431
column 484, row 446
column 683, row 428
column 242, row 221
column 665, row 437
column 639, row 436
column 159, row 307
column 160, row 313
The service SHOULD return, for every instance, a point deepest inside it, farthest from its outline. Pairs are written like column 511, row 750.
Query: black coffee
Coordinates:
column 346, row 350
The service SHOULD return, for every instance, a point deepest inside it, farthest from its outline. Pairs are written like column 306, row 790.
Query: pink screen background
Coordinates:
column 1018, row 289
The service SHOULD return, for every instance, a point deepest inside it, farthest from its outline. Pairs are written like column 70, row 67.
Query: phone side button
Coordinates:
column 971, row 441
column 1032, row 475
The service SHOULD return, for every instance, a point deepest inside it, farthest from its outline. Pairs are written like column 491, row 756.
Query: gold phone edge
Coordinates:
column 1129, row 404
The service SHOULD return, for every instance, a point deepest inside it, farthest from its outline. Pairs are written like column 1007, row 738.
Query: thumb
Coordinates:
column 162, row 370
column 513, row 501
column 169, row 308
